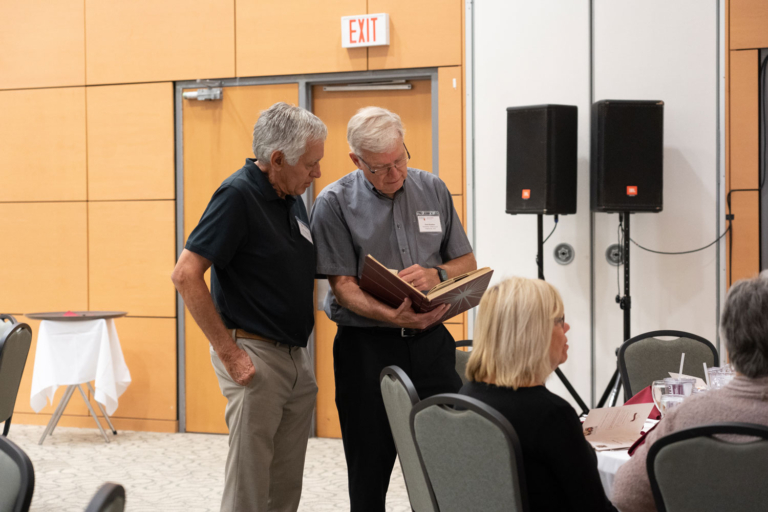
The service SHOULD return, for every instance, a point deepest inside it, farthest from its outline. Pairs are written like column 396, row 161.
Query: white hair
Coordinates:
column 287, row 129
column 374, row 129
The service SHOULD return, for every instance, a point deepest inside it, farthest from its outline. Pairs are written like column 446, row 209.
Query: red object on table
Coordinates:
column 69, row 313
column 640, row 442
column 645, row 396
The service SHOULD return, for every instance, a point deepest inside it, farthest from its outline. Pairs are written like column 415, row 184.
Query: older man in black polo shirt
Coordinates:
column 405, row 218
column 255, row 233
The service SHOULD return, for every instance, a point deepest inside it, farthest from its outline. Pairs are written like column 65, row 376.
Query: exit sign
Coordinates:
column 365, row 30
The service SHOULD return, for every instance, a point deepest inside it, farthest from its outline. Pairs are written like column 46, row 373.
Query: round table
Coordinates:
column 608, row 463
column 74, row 348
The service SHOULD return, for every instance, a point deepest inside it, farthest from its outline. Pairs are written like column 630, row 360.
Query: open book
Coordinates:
column 462, row 292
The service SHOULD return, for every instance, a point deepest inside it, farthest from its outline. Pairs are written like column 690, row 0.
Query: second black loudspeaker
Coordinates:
column 541, row 159
column 627, row 157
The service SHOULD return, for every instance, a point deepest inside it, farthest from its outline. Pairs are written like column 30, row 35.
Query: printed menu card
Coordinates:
column 615, row 428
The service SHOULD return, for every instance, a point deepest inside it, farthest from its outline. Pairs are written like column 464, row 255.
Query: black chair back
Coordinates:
column 692, row 470
column 17, row 477
column 109, row 498
column 462, row 358
column 14, row 349
column 646, row 358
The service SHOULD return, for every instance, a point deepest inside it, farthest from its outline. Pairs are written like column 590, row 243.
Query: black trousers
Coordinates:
column 359, row 355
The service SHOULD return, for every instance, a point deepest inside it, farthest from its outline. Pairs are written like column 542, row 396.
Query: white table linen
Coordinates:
column 73, row 352
column 608, row 463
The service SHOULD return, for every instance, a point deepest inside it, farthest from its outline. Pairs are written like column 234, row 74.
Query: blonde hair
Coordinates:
column 513, row 333
column 374, row 129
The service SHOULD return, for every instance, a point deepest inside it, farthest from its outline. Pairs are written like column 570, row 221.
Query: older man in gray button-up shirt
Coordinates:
column 405, row 218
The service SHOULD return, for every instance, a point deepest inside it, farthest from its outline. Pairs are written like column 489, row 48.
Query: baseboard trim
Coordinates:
column 138, row 424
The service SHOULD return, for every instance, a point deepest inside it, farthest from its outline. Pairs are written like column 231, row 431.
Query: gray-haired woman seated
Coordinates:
column 519, row 341
column 744, row 326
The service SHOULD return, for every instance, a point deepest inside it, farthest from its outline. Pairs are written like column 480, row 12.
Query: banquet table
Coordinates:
column 608, row 463
column 76, row 349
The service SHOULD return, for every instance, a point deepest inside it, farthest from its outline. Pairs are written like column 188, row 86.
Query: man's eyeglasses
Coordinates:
column 399, row 164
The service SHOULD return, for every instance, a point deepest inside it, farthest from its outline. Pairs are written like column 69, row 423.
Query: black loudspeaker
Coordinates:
column 541, row 159
column 627, row 157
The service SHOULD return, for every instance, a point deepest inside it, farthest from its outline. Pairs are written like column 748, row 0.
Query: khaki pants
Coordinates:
column 269, row 422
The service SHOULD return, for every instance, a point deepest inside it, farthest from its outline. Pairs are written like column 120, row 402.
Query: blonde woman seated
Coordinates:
column 519, row 341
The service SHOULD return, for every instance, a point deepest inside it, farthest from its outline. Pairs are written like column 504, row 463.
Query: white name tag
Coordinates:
column 305, row 232
column 429, row 222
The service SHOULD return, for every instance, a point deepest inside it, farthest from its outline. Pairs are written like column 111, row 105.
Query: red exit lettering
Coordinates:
column 362, row 24
column 366, row 28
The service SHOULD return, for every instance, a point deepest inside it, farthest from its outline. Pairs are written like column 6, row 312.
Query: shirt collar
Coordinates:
column 262, row 182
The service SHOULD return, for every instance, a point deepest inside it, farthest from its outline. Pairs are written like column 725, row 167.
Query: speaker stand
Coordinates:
column 540, row 264
column 611, row 393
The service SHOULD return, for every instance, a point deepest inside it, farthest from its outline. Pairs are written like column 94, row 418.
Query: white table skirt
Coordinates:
column 73, row 352
column 608, row 463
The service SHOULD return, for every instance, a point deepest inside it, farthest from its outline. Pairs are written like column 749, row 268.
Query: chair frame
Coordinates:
column 16, row 327
column 628, row 393
column 397, row 373
column 463, row 343
column 489, row 413
column 105, row 494
column 738, row 428
column 27, row 471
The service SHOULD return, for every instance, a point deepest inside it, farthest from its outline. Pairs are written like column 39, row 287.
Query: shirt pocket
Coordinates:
column 429, row 245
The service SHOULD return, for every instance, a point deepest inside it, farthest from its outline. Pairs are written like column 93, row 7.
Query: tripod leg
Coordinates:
column 608, row 389
column 572, row 391
column 614, row 392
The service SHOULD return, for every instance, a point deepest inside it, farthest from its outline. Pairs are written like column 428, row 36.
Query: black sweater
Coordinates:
column 560, row 465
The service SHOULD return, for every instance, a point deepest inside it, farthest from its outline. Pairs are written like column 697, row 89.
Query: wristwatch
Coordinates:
column 441, row 272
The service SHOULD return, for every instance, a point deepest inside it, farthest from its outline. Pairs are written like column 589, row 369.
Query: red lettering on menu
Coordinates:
column 362, row 37
column 351, row 31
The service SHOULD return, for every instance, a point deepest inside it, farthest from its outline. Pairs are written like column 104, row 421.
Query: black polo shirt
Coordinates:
column 262, row 279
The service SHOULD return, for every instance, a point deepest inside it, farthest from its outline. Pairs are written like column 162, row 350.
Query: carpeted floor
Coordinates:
column 168, row 472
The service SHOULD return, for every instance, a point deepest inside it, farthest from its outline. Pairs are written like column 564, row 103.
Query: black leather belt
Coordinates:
column 403, row 332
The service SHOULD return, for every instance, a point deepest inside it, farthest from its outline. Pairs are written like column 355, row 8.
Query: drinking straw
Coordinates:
column 706, row 374
column 682, row 360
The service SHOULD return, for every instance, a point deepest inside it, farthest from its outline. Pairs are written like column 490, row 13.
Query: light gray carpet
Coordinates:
column 168, row 472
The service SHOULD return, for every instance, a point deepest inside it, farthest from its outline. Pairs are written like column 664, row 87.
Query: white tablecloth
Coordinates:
column 73, row 352
column 608, row 463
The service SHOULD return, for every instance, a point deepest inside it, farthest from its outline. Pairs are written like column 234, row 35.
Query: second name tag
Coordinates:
column 305, row 232
column 429, row 222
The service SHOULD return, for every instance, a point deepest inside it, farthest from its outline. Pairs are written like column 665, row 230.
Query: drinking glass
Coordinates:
column 714, row 378
column 670, row 401
column 658, row 388
column 682, row 386
column 720, row 377
column 727, row 374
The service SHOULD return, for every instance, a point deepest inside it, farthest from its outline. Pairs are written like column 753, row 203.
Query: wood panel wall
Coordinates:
column 87, row 160
column 746, row 25
column 88, row 198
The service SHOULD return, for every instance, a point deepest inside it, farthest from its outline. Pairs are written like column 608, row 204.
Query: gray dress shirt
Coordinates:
column 351, row 219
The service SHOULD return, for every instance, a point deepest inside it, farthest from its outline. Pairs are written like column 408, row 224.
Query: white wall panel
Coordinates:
column 654, row 49
column 539, row 52
column 530, row 53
